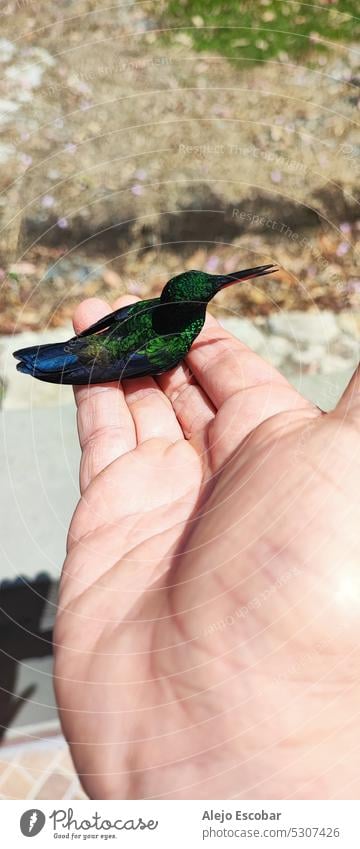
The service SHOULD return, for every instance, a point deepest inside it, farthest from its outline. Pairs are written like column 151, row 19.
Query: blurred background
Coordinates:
column 139, row 139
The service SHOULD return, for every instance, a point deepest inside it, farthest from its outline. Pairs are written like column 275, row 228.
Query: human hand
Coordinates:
column 207, row 633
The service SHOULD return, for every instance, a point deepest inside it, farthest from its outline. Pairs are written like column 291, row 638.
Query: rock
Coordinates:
column 245, row 330
column 350, row 323
column 276, row 350
column 331, row 364
column 304, row 327
column 6, row 151
column 41, row 55
column 30, row 76
column 308, row 357
column 22, row 268
column 7, row 50
column 7, row 109
column 346, row 346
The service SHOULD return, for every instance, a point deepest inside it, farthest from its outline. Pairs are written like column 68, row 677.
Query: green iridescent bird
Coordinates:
column 145, row 338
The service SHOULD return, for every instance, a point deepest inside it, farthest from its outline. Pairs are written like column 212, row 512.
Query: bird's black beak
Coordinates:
column 223, row 280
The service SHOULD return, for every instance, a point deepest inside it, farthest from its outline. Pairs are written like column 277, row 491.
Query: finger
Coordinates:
column 246, row 390
column 224, row 366
column 105, row 425
column 193, row 408
column 190, row 403
column 151, row 410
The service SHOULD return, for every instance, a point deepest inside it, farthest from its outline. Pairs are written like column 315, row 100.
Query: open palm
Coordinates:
column 215, row 539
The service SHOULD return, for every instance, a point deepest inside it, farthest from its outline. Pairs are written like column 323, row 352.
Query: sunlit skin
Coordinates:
column 208, row 629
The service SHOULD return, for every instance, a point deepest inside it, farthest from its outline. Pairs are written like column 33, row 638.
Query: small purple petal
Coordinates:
column 276, row 176
column 212, row 263
column 342, row 248
column 82, row 87
column 134, row 288
column 353, row 285
column 345, row 227
column 25, row 159
column 141, row 174
column 137, row 190
column 48, row 201
column 62, row 223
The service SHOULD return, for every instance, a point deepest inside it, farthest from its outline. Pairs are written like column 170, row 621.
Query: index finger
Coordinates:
column 105, row 425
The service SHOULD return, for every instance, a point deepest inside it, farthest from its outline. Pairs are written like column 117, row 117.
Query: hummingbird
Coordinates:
column 145, row 338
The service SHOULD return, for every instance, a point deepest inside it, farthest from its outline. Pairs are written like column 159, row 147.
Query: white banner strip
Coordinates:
column 182, row 824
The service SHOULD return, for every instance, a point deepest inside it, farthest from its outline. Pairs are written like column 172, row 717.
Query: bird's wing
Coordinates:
column 139, row 365
column 155, row 358
column 117, row 318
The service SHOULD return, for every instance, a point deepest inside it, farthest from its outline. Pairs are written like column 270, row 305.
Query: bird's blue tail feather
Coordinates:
column 45, row 360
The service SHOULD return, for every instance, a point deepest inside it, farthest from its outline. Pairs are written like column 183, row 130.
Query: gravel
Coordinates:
column 305, row 329
column 245, row 330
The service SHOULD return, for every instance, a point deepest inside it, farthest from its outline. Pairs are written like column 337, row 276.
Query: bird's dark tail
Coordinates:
column 52, row 363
